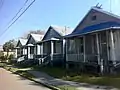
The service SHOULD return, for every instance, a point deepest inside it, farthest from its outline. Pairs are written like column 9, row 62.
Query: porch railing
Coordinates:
column 91, row 59
column 80, row 58
column 30, row 56
column 57, row 56
column 75, row 57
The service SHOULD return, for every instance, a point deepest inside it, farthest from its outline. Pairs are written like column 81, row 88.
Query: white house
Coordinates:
column 32, row 48
column 20, row 48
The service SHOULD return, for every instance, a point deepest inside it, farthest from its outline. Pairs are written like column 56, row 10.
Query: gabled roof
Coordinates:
column 106, row 12
column 62, row 30
column 104, row 20
column 95, row 28
column 37, row 37
column 57, row 32
column 21, row 41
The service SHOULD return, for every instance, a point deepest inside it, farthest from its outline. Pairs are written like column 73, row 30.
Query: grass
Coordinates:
column 24, row 74
column 21, row 72
column 2, row 64
column 82, row 78
column 66, row 87
column 107, row 81
column 55, row 72
column 62, row 74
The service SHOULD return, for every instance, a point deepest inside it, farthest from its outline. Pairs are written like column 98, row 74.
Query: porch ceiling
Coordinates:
column 51, row 39
column 95, row 28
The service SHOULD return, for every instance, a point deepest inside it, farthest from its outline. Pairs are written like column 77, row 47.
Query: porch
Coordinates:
column 30, row 51
column 51, row 52
column 99, row 49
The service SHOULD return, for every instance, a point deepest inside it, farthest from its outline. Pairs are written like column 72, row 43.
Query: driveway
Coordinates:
column 9, row 81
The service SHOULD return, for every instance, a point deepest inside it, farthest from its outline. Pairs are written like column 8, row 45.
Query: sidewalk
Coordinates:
column 46, row 79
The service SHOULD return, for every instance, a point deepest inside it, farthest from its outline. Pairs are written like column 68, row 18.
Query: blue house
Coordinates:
column 95, row 42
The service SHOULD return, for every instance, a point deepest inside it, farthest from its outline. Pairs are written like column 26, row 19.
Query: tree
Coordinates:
column 10, row 45
column 2, row 59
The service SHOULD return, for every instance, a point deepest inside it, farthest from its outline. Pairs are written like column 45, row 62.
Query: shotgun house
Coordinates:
column 52, row 46
column 32, row 48
column 95, row 42
column 21, row 50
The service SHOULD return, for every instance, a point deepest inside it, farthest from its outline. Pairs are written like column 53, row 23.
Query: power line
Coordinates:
column 18, row 17
column 1, row 4
column 17, row 13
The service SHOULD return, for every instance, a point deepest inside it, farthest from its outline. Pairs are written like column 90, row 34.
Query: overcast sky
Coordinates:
column 44, row 13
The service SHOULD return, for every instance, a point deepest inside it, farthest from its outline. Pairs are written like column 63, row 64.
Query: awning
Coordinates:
column 94, row 28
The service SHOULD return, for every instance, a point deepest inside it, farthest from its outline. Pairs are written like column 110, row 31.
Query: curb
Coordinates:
column 49, row 86
column 43, row 84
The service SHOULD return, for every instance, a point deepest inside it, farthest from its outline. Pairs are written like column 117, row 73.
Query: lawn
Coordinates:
column 107, row 81
column 65, row 87
column 21, row 71
column 2, row 64
column 83, row 78
column 55, row 72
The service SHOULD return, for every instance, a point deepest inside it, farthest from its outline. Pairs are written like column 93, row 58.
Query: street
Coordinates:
column 9, row 81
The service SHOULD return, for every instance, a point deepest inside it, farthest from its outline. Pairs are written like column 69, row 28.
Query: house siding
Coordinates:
column 100, row 18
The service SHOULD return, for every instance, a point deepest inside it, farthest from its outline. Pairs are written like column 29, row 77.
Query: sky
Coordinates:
column 44, row 13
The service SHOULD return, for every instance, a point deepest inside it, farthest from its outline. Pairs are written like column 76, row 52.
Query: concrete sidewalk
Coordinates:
column 48, row 80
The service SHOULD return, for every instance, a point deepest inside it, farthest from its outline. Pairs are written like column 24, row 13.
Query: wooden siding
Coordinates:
column 100, row 18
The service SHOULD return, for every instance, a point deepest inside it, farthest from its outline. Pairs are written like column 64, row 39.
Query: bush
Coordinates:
column 2, row 58
column 10, row 57
column 2, row 64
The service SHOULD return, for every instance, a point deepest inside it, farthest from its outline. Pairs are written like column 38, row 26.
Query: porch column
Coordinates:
column 16, row 52
column 63, row 46
column 41, row 52
column 84, row 48
column 28, row 52
column 98, row 48
column 23, row 51
column 20, row 51
column 35, row 50
column 52, row 50
column 66, row 53
column 112, row 46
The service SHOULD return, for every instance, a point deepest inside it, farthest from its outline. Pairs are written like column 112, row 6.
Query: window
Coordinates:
column 71, row 46
column 94, row 18
column 81, row 45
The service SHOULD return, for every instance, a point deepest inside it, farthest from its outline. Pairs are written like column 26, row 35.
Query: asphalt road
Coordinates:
column 9, row 81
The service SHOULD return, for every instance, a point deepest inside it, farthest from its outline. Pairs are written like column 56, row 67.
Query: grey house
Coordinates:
column 52, row 45
column 32, row 49
column 20, row 48
column 95, row 42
